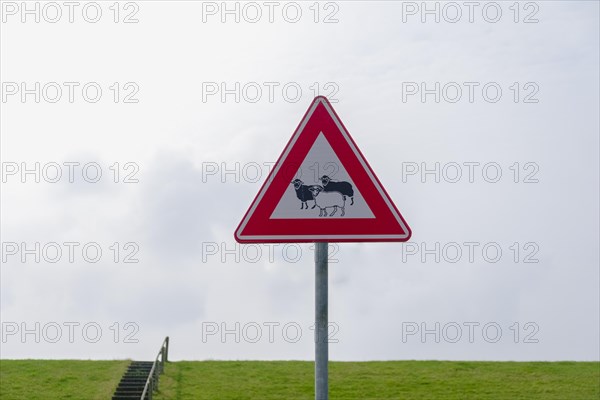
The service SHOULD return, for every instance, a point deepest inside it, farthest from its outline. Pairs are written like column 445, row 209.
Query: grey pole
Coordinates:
column 321, row 322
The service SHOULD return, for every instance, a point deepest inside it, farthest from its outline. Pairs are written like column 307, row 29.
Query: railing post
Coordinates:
column 166, row 349
column 161, row 364
column 156, row 376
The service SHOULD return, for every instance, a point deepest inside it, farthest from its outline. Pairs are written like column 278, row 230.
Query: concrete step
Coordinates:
column 133, row 381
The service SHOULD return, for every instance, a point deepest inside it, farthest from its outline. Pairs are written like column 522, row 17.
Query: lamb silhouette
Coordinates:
column 325, row 200
column 345, row 188
column 303, row 193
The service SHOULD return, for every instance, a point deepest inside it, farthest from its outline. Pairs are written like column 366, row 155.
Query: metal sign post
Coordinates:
column 321, row 321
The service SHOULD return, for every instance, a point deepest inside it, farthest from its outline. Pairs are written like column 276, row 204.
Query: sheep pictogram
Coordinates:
column 325, row 200
column 303, row 193
column 344, row 188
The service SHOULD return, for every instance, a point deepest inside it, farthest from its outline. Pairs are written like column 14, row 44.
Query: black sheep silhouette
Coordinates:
column 345, row 188
column 304, row 193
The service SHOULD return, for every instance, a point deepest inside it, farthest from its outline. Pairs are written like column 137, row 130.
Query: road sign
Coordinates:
column 321, row 189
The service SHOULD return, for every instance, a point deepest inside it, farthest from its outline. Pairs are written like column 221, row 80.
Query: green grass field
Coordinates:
column 59, row 379
column 382, row 380
column 293, row 380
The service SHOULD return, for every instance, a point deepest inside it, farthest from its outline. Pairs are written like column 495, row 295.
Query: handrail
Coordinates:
column 156, row 370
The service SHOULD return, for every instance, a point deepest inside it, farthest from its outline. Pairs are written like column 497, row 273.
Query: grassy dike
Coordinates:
column 293, row 380
column 59, row 379
column 443, row 380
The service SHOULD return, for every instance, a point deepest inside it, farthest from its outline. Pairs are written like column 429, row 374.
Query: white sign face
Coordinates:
column 321, row 161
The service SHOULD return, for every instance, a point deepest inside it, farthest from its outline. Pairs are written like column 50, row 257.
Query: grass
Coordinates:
column 443, row 380
column 293, row 380
column 59, row 379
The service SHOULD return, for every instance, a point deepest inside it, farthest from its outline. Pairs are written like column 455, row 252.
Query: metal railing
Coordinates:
column 157, row 368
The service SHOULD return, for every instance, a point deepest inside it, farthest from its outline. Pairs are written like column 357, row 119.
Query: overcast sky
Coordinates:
column 195, row 107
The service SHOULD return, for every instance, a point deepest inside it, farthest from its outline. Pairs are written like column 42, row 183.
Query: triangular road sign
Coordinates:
column 321, row 189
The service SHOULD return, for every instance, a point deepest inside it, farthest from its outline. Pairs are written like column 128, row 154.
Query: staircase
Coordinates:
column 133, row 382
column 141, row 378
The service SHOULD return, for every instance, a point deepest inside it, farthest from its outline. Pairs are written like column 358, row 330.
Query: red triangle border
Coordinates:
column 388, row 224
